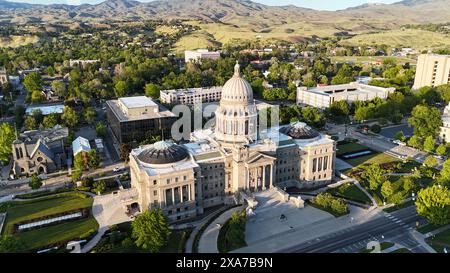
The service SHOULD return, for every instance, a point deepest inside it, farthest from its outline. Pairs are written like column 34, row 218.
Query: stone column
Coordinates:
column 181, row 194
column 189, row 193
column 271, row 175
column 173, row 196
column 263, row 181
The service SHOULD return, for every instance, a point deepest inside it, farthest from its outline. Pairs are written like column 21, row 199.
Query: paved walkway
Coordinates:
column 197, row 226
column 107, row 211
column 208, row 241
column 284, row 240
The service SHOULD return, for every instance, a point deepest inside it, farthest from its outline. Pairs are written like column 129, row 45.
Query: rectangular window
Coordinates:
column 314, row 165
column 319, row 167
column 325, row 163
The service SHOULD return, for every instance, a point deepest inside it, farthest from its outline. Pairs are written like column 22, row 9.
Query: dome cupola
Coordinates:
column 237, row 89
column 163, row 152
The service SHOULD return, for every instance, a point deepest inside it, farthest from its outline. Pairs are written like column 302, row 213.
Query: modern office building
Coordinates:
column 191, row 96
column 134, row 119
column 199, row 54
column 216, row 166
column 39, row 151
column 324, row 96
column 432, row 70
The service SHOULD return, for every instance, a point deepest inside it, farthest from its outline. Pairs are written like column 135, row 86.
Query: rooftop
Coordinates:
column 137, row 102
column 80, row 144
column 122, row 117
column 46, row 109
column 350, row 87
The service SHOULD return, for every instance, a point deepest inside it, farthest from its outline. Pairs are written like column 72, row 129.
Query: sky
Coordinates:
column 314, row 4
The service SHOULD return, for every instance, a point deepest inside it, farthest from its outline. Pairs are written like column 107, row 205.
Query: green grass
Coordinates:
column 27, row 210
column 401, row 250
column 376, row 158
column 400, row 206
column 329, row 210
column 383, row 245
column 351, row 192
column 18, row 211
column 232, row 234
column 63, row 232
column 428, row 228
column 440, row 241
column 350, row 147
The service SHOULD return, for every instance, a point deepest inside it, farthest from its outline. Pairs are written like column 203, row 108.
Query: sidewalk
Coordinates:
column 208, row 241
column 293, row 237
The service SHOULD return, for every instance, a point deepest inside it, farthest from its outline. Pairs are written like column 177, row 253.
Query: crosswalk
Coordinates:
column 403, row 240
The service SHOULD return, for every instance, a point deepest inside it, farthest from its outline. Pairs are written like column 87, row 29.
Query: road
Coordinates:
column 395, row 227
column 20, row 186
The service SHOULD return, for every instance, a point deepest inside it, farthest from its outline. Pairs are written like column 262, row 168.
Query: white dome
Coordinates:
column 237, row 89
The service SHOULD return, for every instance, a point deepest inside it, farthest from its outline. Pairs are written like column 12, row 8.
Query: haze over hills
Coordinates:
column 226, row 19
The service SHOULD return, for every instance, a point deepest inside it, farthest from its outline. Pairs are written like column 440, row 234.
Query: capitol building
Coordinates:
column 219, row 165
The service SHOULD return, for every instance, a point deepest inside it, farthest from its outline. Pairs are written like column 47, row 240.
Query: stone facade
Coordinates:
column 218, row 164
column 39, row 151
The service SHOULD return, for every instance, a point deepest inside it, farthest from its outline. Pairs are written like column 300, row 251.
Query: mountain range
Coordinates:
column 226, row 11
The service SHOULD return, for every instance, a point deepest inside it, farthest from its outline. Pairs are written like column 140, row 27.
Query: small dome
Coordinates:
column 237, row 89
column 163, row 152
column 299, row 130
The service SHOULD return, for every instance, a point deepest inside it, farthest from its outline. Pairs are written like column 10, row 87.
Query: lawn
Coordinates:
column 440, row 241
column 20, row 211
column 383, row 245
column 401, row 250
column 27, row 210
column 349, row 147
column 63, row 232
column 428, row 228
column 232, row 233
column 400, row 206
column 351, row 192
column 376, row 158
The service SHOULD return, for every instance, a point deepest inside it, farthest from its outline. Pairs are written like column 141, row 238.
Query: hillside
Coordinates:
column 227, row 19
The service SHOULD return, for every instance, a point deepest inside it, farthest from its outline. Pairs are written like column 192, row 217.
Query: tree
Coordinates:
column 151, row 230
column 33, row 82
column 121, row 89
column 59, row 88
column 30, row 123
column 444, row 92
column 37, row 96
column 415, row 142
column 93, row 159
column 99, row 187
column 425, row 120
column 441, row 150
column 400, row 136
column 374, row 174
column 444, row 178
column 7, row 136
column 51, row 120
column 433, row 203
column 429, row 144
column 152, row 90
column 11, row 244
column 124, row 150
column 408, row 184
column 35, row 182
column 70, row 117
column 376, row 128
column 431, row 162
column 387, row 189
column 89, row 114
column 100, row 129
column 363, row 113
